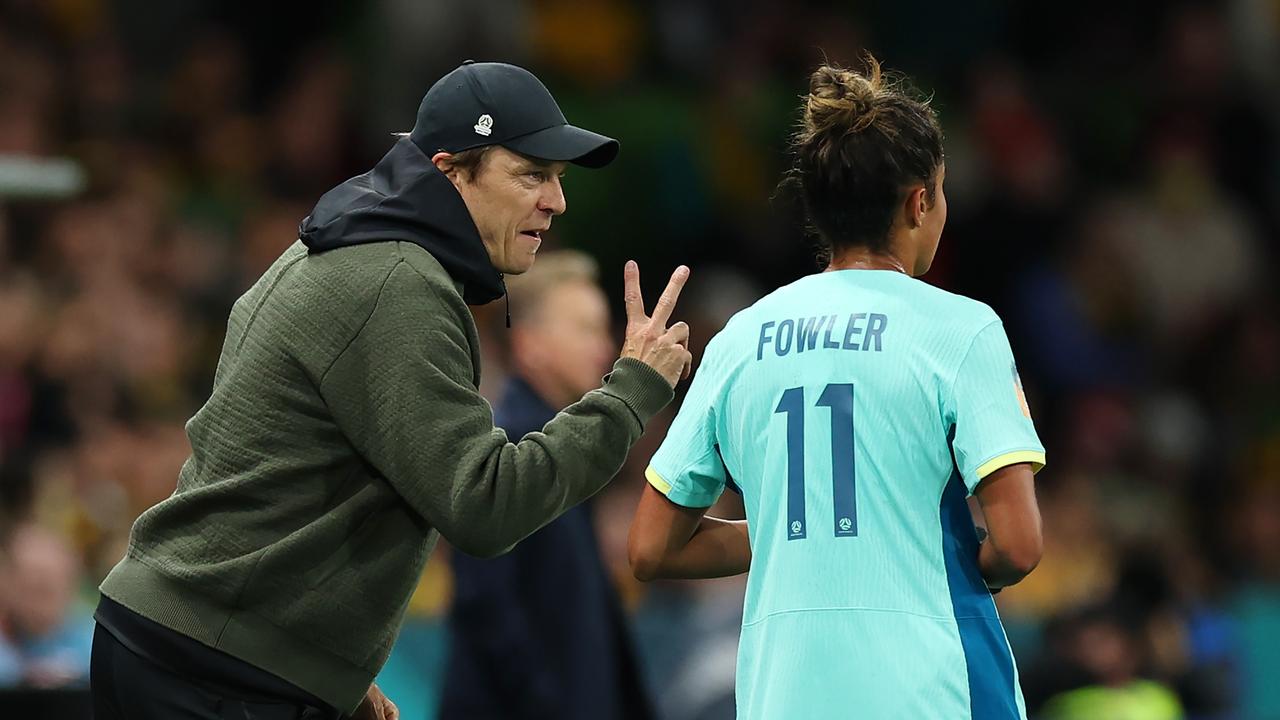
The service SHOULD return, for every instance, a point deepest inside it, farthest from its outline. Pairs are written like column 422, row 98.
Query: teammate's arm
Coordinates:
column 672, row 541
column 1014, row 542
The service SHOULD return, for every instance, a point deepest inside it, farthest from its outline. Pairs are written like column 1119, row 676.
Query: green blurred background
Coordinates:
column 1114, row 189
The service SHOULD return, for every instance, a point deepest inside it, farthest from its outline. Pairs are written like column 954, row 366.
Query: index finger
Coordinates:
column 631, row 296
column 667, row 303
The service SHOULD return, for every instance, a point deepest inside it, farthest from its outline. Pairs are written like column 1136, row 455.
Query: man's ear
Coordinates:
column 444, row 163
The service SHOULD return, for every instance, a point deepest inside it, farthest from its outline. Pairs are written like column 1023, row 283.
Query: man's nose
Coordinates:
column 552, row 199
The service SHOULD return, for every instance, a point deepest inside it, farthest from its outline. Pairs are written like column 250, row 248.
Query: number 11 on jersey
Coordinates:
column 838, row 398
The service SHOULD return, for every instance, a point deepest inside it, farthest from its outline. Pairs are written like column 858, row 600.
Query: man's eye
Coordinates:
column 538, row 175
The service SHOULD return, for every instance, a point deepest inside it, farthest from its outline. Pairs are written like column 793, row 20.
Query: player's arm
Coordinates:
column 1014, row 541
column 997, row 451
column 672, row 541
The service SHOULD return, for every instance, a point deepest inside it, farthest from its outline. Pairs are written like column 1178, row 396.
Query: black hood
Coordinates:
column 404, row 197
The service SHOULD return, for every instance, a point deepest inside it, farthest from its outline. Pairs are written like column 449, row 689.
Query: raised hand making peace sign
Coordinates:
column 649, row 340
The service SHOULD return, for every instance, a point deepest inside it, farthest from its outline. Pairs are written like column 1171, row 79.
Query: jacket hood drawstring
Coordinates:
column 503, row 279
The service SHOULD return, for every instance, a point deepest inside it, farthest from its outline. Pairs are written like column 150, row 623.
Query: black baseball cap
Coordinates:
column 488, row 103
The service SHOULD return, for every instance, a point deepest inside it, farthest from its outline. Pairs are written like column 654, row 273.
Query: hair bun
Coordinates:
column 842, row 100
column 862, row 141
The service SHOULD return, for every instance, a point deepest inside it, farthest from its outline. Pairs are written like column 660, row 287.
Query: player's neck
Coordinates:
column 861, row 258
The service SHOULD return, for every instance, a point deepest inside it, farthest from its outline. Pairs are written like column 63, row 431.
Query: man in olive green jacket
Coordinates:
column 345, row 432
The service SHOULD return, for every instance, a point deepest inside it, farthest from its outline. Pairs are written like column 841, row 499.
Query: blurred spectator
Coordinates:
column 540, row 632
column 1252, row 520
column 45, row 637
column 1105, row 651
column 1179, row 216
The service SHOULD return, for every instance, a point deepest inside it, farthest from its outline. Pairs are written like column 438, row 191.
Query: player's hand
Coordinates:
column 649, row 340
column 376, row 706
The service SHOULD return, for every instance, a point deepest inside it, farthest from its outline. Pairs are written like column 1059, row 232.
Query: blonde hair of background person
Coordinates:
column 560, row 336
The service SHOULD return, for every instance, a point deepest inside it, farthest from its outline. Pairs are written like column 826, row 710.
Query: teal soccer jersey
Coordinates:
column 855, row 411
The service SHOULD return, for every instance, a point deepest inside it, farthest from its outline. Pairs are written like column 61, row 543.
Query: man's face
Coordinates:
column 512, row 199
column 568, row 345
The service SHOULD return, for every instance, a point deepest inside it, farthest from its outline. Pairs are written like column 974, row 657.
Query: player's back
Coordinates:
column 834, row 404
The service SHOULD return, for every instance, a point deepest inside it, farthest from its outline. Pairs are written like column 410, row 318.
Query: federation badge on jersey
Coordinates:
column 1017, row 389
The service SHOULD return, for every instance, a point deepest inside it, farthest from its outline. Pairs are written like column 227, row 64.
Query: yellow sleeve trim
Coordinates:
column 1034, row 457
column 657, row 480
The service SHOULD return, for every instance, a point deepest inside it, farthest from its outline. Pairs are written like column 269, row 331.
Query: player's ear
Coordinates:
column 915, row 206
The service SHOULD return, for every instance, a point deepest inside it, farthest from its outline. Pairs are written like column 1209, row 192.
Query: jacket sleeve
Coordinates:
column 403, row 394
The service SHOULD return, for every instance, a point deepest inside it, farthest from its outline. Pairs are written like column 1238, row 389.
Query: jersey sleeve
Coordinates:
column 993, row 427
column 687, row 467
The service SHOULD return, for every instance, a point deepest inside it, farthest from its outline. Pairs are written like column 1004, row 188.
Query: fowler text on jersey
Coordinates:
column 800, row 335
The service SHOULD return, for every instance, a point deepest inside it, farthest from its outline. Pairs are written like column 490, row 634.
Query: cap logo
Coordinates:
column 484, row 126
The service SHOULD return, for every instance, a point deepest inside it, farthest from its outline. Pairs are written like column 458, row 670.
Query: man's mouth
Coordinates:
column 532, row 234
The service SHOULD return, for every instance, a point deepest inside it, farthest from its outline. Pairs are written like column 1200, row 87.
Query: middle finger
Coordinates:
column 667, row 303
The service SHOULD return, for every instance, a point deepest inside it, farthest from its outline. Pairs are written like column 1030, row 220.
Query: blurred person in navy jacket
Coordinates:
column 540, row 632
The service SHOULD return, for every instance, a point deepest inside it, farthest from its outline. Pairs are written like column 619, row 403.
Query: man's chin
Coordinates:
column 518, row 267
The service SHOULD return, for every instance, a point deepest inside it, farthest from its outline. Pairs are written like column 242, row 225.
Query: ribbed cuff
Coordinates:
column 642, row 388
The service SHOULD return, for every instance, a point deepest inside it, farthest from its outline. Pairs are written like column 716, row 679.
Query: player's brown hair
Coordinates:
column 863, row 139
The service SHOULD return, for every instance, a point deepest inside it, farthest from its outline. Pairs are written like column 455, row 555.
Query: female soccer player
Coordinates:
column 856, row 409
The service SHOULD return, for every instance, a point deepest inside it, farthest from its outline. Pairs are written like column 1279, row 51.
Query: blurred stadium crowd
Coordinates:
column 1114, row 185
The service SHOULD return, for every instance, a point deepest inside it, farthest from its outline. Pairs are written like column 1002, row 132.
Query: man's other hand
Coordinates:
column 376, row 706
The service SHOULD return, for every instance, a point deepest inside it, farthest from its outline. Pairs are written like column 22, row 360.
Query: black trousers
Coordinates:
column 127, row 686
